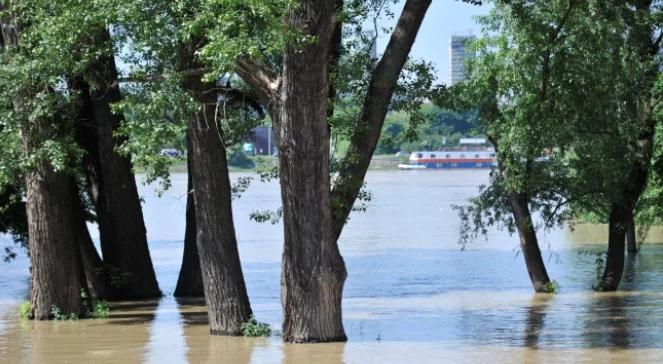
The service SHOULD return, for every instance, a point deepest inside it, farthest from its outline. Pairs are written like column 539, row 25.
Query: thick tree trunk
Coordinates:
column 190, row 280
column 57, row 274
column 113, row 186
column 614, row 265
column 529, row 243
column 631, row 237
column 638, row 110
column 54, row 253
column 225, row 291
column 313, row 270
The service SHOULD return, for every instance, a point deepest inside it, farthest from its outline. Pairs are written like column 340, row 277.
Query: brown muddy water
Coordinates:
column 411, row 295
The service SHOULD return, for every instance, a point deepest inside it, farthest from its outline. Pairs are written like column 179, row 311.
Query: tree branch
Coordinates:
column 375, row 107
column 263, row 81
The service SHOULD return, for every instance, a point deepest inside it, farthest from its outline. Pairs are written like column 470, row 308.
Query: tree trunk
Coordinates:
column 631, row 237
column 614, row 265
column 529, row 243
column 225, row 291
column 97, row 280
column 638, row 110
column 313, row 270
column 190, row 280
column 113, row 186
column 54, row 253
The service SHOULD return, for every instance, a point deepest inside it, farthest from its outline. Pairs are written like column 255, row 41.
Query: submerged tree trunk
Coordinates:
column 113, row 187
column 639, row 109
column 313, row 270
column 225, row 291
column 529, row 243
column 190, row 280
column 614, row 266
column 97, row 281
column 56, row 280
column 631, row 237
column 54, row 253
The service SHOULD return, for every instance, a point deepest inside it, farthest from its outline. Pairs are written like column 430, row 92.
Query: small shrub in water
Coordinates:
column 100, row 309
column 24, row 310
column 551, row 287
column 253, row 328
column 58, row 315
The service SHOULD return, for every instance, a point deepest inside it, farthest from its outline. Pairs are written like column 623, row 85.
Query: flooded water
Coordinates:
column 411, row 294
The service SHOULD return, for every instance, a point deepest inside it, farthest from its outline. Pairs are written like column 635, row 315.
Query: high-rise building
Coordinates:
column 457, row 57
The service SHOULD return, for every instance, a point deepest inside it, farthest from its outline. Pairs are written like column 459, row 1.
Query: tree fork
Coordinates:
column 111, row 180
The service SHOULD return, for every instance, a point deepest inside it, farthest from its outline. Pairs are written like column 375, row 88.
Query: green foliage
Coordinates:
column 552, row 100
column 240, row 186
column 60, row 316
column 156, row 115
column 13, row 219
column 253, row 328
column 95, row 308
column 440, row 128
column 271, row 216
column 551, row 287
column 100, row 309
column 24, row 310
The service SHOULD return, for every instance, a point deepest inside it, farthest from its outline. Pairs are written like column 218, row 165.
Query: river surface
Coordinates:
column 411, row 295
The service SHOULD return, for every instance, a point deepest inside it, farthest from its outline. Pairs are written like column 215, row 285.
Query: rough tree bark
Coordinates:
column 313, row 270
column 225, row 291
column 54, row 252
column 298, row 100
column 190, row 280
column 112, row 184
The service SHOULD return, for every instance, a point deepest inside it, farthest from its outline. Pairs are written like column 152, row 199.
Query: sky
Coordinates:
column 444, row 18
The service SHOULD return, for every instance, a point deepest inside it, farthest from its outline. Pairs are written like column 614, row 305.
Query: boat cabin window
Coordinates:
column 432, row 155
column 476, row 156
column 419, row 155
column 448, row 156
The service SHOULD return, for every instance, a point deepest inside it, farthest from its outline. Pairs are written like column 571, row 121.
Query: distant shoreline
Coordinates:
column 382, row 162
